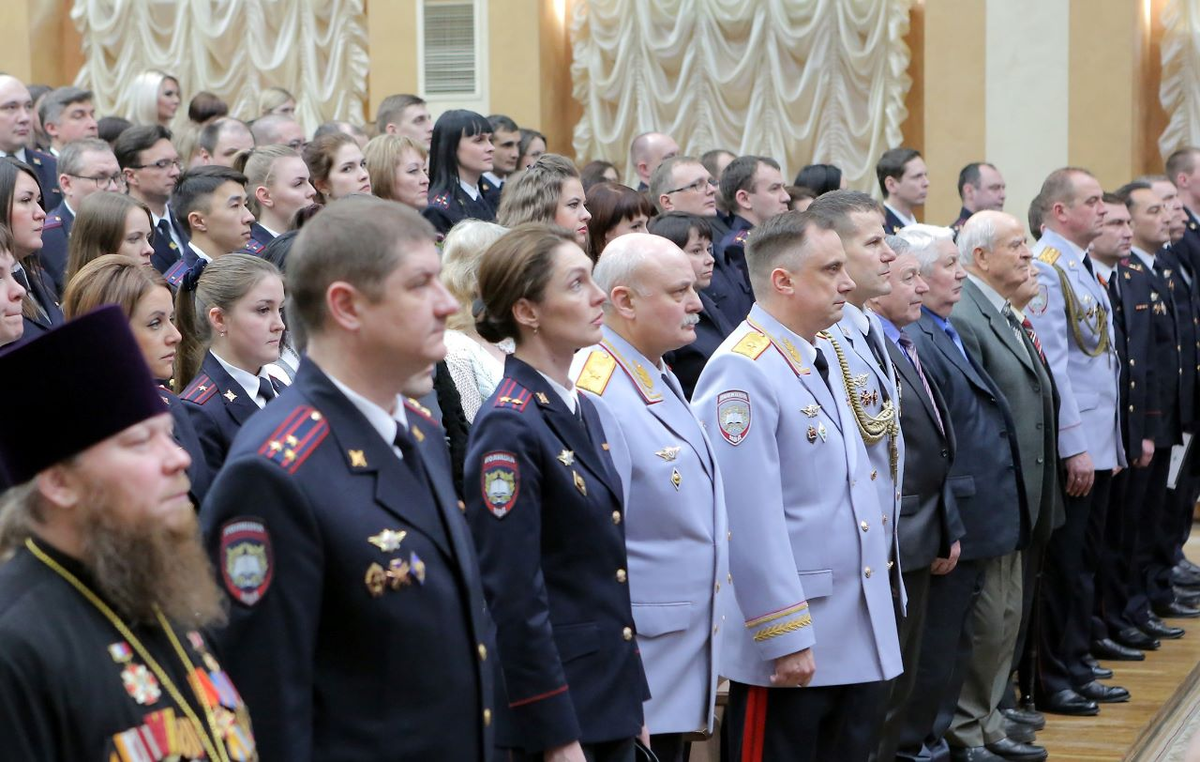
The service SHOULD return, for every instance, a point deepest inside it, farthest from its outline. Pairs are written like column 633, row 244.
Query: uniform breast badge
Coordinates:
column 668, row 453
column 676, row 478
column 141, row 684
column 501, row 482
column 542, row 398
column 579, row 483
column 566, row 457
column 388, row 540
column 733, row 415
column 399, row 573
column 822, row 432
column 811, row 410
column 812, row 434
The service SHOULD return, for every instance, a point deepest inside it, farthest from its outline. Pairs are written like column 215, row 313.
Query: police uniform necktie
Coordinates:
column 266, row 390
column 873, row 343
column 163, row 229
column 823, row 368
column 412, row 457
column 910, row 351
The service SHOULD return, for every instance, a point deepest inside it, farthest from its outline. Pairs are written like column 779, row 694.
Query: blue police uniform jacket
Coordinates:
column 808, row 549
column 545, row 507
column 1163, row 352
column 42, row 291
column 55, row 232
column 218, row 406
column 730, row 288
column 199, row 473
column 449, row 207
column 358, row 628
column 259, row 238
column 675, row 530
column 1072, row 316
column 45, row 166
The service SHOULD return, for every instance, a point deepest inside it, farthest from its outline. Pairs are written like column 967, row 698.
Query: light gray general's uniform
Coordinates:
column 675, row 535
column 808, row 548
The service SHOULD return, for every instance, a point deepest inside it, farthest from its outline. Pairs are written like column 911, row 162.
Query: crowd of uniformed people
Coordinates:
column 431, row 445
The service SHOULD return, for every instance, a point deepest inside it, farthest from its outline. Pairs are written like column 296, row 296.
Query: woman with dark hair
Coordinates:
column 21, row 212
column 230, row 313
column 693, row 234
column 143, row 295
column 205, row 107
column 459, row 154
column 595, row 172
column 821, row 178
column 12, row 294
column 530, row 148
column 549, row 193
column 616, row 210
column 546, row 508
column 336, row 167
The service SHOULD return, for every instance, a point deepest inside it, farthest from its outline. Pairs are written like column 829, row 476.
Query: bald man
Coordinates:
column 16, row 124
column 675, row 531
column 647, row 151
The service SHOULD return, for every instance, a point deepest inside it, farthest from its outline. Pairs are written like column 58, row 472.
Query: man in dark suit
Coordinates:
column 358, row 621
column 86, row 166
column 981, row 187
column 904, row 182
column 16, row 123
column 985, row 483
column 929, row 526
column 151, row 167
column 996, row 255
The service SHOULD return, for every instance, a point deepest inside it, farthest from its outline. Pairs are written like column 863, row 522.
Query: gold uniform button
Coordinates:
column 729, row 535
column 864, row 525
column 867, row 572
column 718, row 587
column 883, row 518
column 1131, row 408
column 715, row 628
column 627, row 633
column 487, row 717
column 482, row 652
column 1133, row 384
column 874, row 474
column 616, row 517
column 729, row 578
column 1131, row 362
column 891, row 564
column 621, row 575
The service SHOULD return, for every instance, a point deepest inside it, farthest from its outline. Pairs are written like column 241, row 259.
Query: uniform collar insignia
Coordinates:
column 635, row 370
column 785, row 347
column 229, row 395
column 357, row 458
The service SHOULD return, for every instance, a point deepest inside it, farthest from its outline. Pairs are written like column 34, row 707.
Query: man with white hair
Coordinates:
column 675, row 502
column 647, row 151
column 989, row 497
column 994, row 250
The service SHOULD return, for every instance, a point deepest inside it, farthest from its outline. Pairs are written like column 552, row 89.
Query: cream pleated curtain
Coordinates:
column 1180, row 87
column 316, row 49
column 802, row 81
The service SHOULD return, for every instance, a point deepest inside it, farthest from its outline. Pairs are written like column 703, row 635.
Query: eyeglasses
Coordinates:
column 103, row 181
column 160, row 164
column 700, row 185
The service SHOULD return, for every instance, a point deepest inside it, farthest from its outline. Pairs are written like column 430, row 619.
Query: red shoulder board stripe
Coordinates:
column 200, row 390
column 512, row 395
column 253, row 247
column 296, row 438
column 52, row 223
column 741, row 236
column 175, row 273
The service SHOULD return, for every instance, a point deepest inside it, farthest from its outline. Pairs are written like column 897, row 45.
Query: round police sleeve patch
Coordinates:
column 501, row 481
column 247, row 563
column 1040, row 301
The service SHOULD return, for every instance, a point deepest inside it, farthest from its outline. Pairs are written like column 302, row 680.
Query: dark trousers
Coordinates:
column 911, row 628
column 606, row 751
column 1068, row 590
column 1143, row 517
column 833, row 722
column 946, row 648
column 670, row 747
column 1025, row 653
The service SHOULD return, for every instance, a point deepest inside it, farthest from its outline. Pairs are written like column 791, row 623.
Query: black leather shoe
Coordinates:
column 1157, row 628
column 1187, row 597
column 1030, row 717
column 1187, row 565
column 1103, row 694
column 1176, row 610
column 973, row 754
column 1185, row 577
column 1133, row 637
column 1018, row 732
column 1068, row 702
column 1113, row 651
column 1010, row 749
column 1101, row 673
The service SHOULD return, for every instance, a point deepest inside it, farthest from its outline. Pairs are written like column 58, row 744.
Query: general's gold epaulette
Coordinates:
column 296, row 438
column 1049, row 255
column 596, row 372
column 752, row 345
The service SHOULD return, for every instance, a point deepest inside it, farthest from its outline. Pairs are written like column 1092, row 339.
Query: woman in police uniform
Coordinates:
column 459, row 154
column 544, row 504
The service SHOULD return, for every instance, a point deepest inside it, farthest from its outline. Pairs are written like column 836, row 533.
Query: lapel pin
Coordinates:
column 357, row 459
column 567, row 458
column 579, row 483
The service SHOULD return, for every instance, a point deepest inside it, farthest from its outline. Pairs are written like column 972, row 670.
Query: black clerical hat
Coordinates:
column 69, row 389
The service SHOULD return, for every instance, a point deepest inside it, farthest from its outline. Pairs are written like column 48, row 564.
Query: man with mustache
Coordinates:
column 675, row 532
column 106, row 588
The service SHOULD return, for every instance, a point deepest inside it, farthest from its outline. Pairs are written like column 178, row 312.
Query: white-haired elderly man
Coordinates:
column 994, row 250
column 990, row 498
column 675, row 533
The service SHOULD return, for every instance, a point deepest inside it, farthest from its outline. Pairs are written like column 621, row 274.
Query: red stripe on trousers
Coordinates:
column 754, row 729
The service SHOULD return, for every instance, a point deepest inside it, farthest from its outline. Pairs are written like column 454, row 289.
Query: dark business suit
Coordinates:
column 929, row 523
column 985, row 483
column 687, row 361
column 357, row 624
column 1006, row 354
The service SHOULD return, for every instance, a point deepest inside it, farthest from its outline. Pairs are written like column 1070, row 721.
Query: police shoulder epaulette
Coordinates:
column 253, row 247
column 416, row 407
column 511, row 395
column 175, row 273
column 296, row 438
column 741, row 236
column 52, row 222
column 200, row 391
column 440, row 201
column 596, row 372
column 752, row 345
column 1049, row 255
